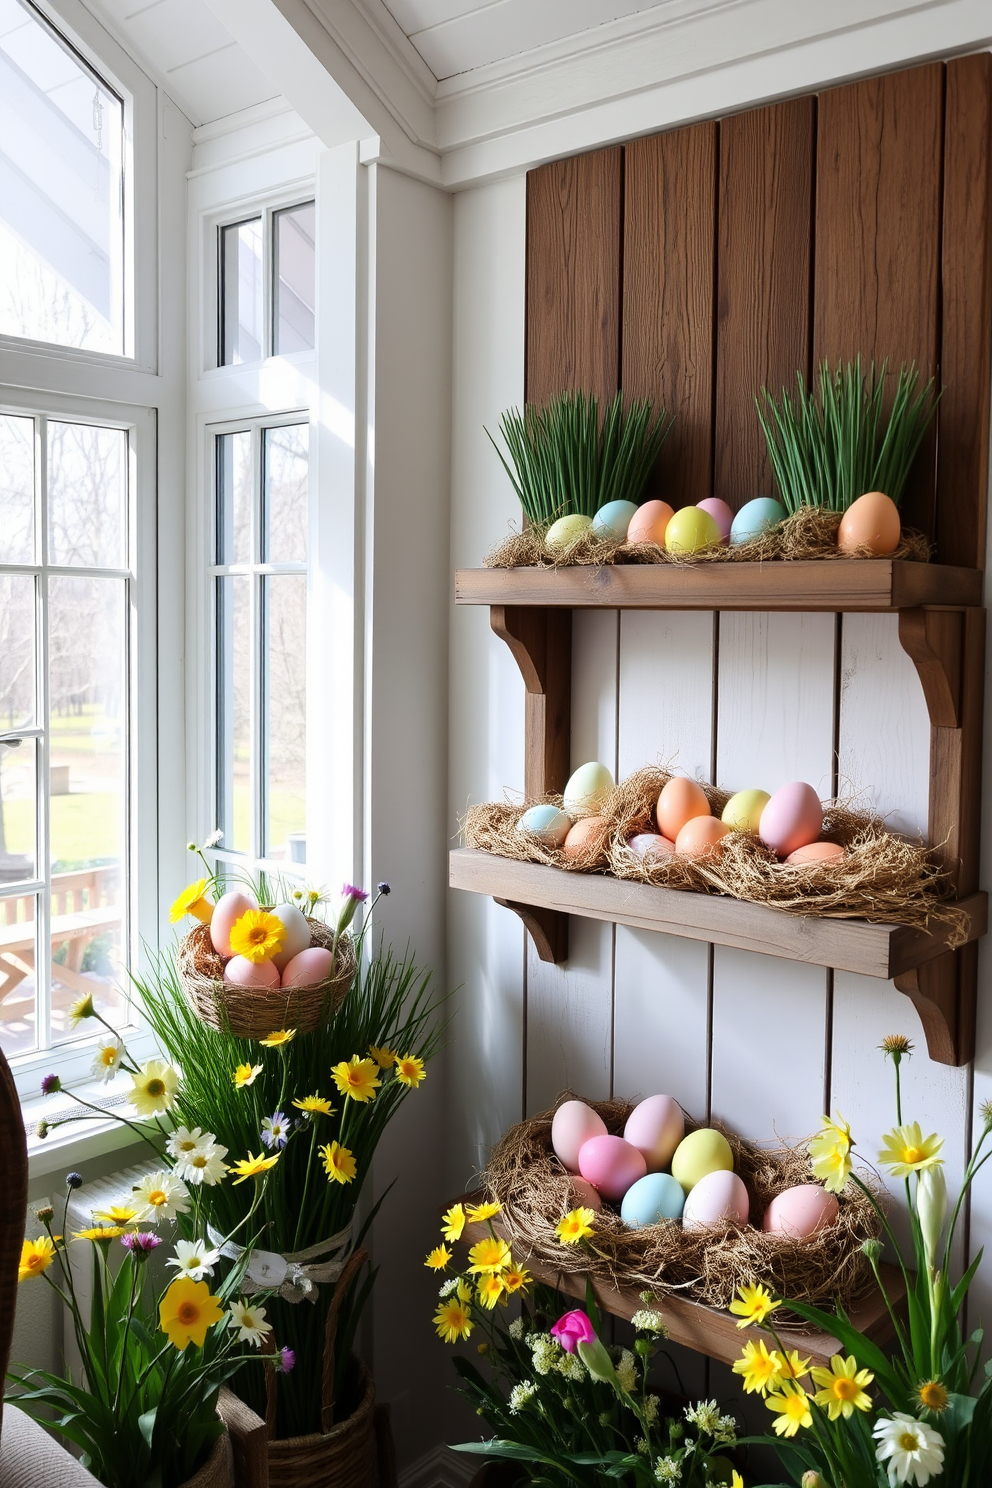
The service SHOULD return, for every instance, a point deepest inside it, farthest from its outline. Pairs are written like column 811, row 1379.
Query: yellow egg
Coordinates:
column 690, row 530
column 566, row 531
column 701, row 1152
column 587, row 789
column 871, row 522
column 743, row 811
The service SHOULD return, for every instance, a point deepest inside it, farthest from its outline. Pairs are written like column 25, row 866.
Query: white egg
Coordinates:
column 297, row 933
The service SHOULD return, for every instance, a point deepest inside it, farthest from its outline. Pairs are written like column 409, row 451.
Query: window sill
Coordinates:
column 78, row 1141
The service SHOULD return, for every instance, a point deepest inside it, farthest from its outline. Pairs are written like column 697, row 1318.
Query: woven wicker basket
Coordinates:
column 344, row 1457
column 250, row 1012
column 218, row 1470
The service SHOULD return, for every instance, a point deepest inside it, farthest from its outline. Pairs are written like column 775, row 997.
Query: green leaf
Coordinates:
column 146, row 1424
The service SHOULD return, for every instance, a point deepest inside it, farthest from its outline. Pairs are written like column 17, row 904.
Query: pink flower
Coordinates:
column 351, row 898
column 573, row 1328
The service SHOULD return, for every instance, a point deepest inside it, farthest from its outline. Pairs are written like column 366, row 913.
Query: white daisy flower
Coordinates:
column 155, row 1088
column 160, row 1196
column 250, row 1321
column 204, row 1165
column 915, row 1451
column 183, row 1142
column 194, row 1259
column 107, row 1059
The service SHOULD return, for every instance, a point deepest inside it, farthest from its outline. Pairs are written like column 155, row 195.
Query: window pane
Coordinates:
column 18, row 810
column 241, row 292
column 284, row 474
column 294, row 279
column 16, row 488
column 234, row 711
column 88, row 807
column 234, row 497
column 285, row 690
column 18, row 1021
column 61, row 191
column 87, row 485
column 17, row 651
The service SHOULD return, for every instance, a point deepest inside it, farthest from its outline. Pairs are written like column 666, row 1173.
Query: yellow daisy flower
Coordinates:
column 357, row 1078
column 490, row 1290
column 410, row 1071
column 192, row 901
column 383, row 1057
column 754, row 1305
column 154, row 1088
column 736, row 1481
column 842, row 1387
column 479, row 1212
column 452, row 1223
column 36, row 1257
column 246, row 1074
column 274, row 1040
column 791, row 1367
column 830, row 1152
column 82, row 1008
column 906, row 1150
column 760, row 1369
column 339, row 1163
column 438, row 1258
column 516, row 1279
column 314, row 1105
column 576, row 1225
column 186, row 1312
column 101, row 1232
column 793, row 1411
column 253, row 1167
column 453, row 1320
column 933, row 1396
column 117, row 1214
column 257, row 935
column 489, row 1255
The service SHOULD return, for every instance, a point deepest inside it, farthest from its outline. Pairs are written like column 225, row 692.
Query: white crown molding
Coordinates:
column 440, row 1468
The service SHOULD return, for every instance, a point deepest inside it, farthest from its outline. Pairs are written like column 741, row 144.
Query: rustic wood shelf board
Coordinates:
column 708, row 1330
column 851, row 584
column 884, row 951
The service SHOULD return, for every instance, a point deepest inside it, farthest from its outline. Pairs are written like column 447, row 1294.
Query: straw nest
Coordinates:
column 707, row 1265
column 881, row 876
column 253, row 1012
column 811, row 532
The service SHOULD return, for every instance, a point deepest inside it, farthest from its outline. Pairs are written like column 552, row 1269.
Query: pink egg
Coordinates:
column 650, row 522
column 718, row 1198
column 800, row 1212
column 611, row 1165
column 721, row 514
column 228, row 909
column 655, row 1127
column 648, row 845
column 308, row 968
column 792, row 818
column 586, row 1196
column 244, row 973
column 574, row 1123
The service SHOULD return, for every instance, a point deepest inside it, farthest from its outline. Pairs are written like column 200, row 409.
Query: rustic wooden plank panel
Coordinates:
column 668, row 280
column 878, row 231
column 966, row 313
column 763, row 275
column 573, row 276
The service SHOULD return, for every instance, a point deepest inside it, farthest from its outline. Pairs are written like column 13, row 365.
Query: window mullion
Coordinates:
column 43, row 970
column 256, row 721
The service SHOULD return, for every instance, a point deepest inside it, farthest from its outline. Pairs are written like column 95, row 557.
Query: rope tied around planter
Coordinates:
column 295, row 1276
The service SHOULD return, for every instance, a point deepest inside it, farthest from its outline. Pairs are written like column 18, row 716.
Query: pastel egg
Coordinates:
column 546, row 823
column 651, row 1199
column 585, row 1196
column 721, row 514
column 561, row 535
column 573, row 1125
column 586, row 838
column 871, row 522
column 227, row 911
column 613, row 520
column 717, row 1198
column 650, row 847
column 756, row 517
column 801, row 1212
column 793, row 818
column 815, row 852
column 650, row 523
column 308, row 968
column 611, row 1165
column 655, row 1127
column 587, row 789
column 743, row 811
column 701, row 837
column 679, row 802
column 241, row 972
column 297, row 936
column 690, row 530
column 701, row 1152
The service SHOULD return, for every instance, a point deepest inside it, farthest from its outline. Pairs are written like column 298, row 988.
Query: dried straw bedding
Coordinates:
column 706, row 1266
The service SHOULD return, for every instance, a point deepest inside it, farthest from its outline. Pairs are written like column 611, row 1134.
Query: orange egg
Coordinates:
column 649, row 523
column 700, row 837
column 871, row 522
column 586, row 837
column 816, row 852
column 679, row 802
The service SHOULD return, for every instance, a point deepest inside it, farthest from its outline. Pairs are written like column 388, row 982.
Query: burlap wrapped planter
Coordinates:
column 217, row 1471
column 705, row 1266
column 249, row 1012
column 344, row 1457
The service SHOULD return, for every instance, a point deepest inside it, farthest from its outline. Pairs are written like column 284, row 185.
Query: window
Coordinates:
column 66, row 602
column 275, row 248
column 260, row 608
column 62, row 148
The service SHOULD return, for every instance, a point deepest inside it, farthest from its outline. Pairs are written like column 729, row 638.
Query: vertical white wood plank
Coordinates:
column 666, row 690
column 884, row 738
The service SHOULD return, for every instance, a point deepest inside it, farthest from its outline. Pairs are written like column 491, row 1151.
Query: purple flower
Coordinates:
column 572, row 1329
column 140, row 1243
column 286, row 1361
column 50, row 1084
column 73, row 1180
column 351, row 898
column 384, row 887
column 275, row 1130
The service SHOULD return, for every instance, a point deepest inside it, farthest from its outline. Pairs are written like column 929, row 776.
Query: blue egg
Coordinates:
column 546, row 823
column 613, row 519
column 654, row 1198
column 756, row 517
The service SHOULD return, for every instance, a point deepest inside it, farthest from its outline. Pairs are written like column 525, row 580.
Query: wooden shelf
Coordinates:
column 709, row 1330
column 849, row 584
